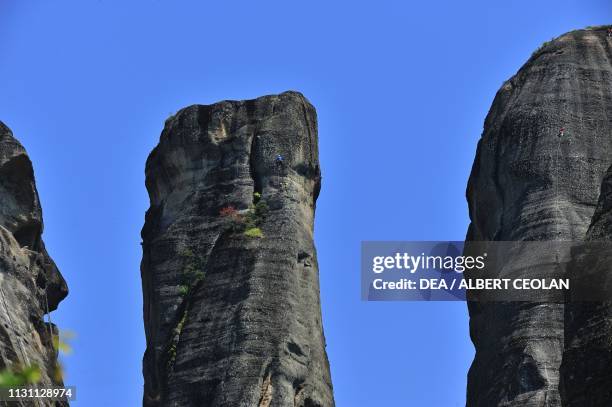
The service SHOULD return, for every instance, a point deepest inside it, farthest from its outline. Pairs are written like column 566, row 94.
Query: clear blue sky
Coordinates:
column 401, row 88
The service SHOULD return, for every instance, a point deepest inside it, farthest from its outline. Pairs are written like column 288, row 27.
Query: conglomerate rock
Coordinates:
column 231, row 319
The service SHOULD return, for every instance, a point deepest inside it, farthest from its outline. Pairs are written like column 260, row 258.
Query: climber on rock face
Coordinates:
column 561, row 132
column 279, row 161
column 610, row 32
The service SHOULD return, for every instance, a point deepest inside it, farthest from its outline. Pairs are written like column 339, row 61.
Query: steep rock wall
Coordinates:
column 30, row 283
column 586, row 370
column 529, row 184
column 233, row 320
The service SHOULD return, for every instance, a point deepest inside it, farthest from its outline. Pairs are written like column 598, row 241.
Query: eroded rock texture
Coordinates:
column 586, row 371
column 30, row 283
column 233, row 320
column 529, row 184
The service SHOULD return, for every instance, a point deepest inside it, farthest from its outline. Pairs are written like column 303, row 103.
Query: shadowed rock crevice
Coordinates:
column 248, row 326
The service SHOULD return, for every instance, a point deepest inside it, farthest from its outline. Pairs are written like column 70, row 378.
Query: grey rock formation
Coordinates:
column 30, row 283
column 233, row 320
column 586, row 370
column 529, row 184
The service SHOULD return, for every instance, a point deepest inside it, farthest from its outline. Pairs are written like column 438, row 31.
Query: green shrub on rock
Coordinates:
column 253, row 232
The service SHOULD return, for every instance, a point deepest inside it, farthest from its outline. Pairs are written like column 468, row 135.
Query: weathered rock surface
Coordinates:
column 529, row 184
column 586, row 371
column 233, row 320
column 30, row 283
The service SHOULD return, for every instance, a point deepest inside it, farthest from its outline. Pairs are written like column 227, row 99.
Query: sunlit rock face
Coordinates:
column 30, row 283
column 532, row 181
column 232, row 319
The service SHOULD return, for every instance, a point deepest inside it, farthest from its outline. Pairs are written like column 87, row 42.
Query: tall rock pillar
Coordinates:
column 229, row 270
column 527, row 183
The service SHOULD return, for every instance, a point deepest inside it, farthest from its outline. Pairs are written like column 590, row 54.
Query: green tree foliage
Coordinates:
column 20, row 376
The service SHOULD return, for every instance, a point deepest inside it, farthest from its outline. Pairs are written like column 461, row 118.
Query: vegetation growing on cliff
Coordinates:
column 192, row 274
column 247, row 223
column 176, row 333
column 19, row 376
column 192, row 271
column 541, row 47
column 253, row 232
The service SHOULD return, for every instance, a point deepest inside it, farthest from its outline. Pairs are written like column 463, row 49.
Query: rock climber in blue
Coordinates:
column 280, row 167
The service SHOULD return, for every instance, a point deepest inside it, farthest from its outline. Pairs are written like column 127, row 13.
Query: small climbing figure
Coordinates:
column 610, row 32
column 280, row 169
column 279, row 160
column 561, row 132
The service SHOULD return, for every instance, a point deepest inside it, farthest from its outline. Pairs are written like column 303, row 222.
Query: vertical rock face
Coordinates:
column 30, row 283
column 529, row 184
column 231, row 319
column 586, row 371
